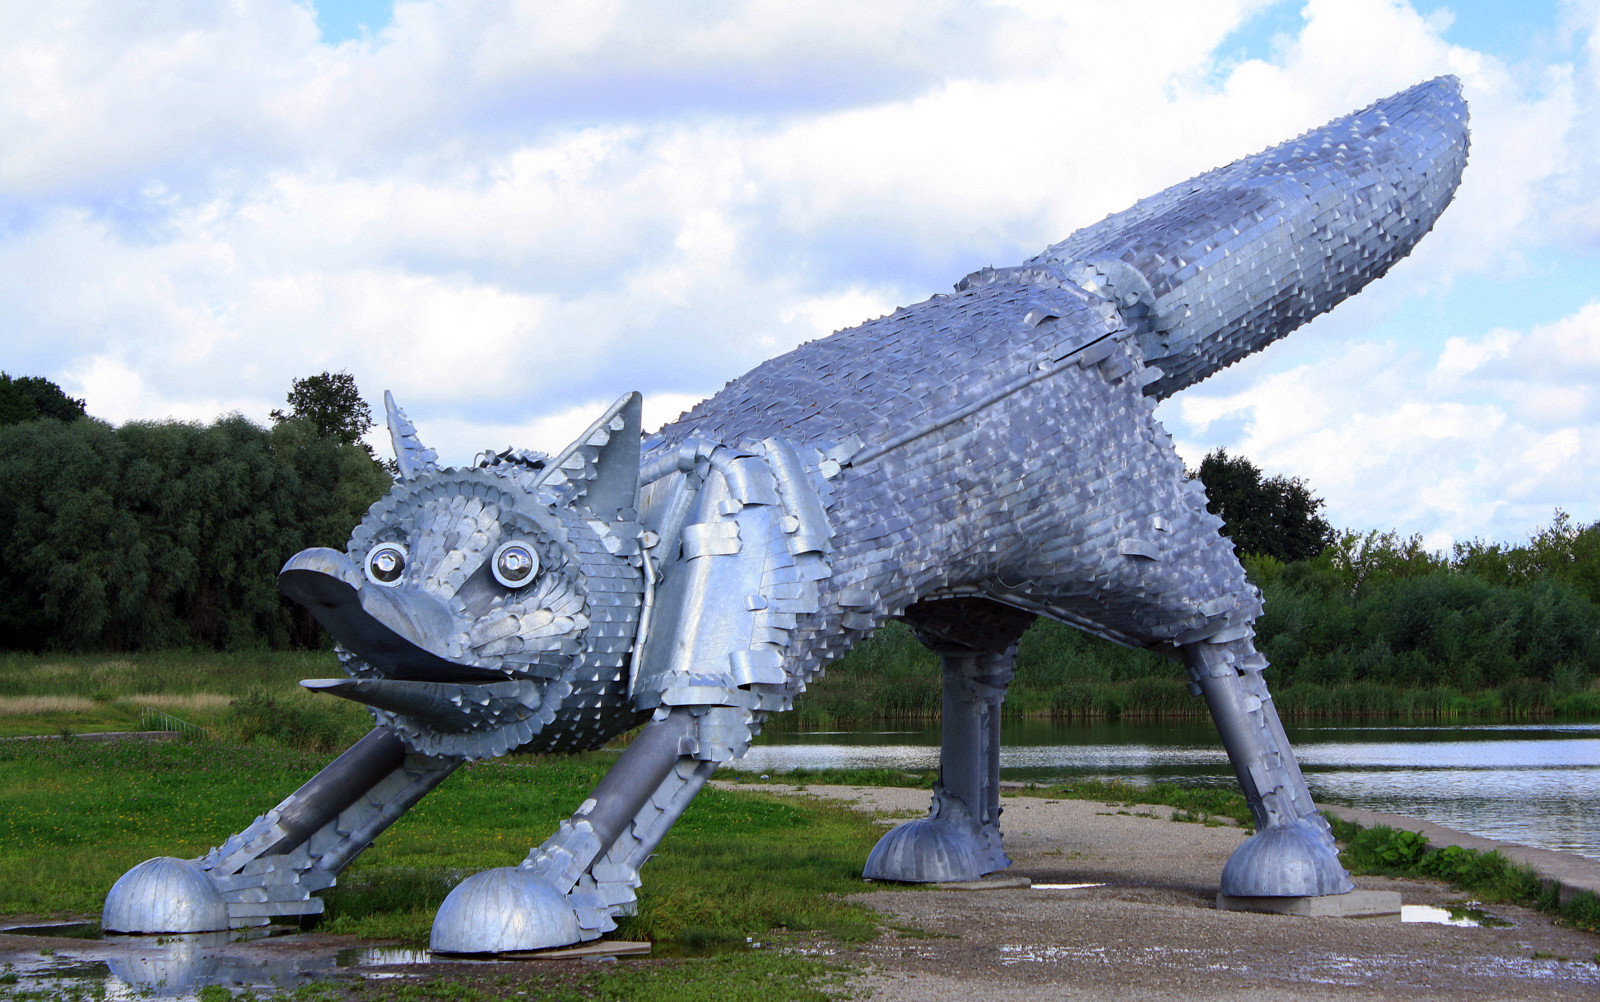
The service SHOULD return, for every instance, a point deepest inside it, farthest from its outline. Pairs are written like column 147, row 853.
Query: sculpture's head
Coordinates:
column 477, row 607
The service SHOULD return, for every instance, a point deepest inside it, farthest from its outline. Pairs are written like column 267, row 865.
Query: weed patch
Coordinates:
column 1202, row 804
column 916, row 779
column 1488, row 876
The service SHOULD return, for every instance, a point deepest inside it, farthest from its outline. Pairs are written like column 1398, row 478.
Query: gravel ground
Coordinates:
column 1153, row 932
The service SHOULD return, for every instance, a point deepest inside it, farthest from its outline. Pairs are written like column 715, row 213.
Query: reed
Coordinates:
column 27, row 705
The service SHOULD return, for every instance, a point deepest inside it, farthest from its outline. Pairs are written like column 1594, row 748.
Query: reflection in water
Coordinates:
column 1456, row 915
column 1534, row 784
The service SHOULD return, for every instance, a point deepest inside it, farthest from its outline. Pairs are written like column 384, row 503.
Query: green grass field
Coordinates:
column 738, row 864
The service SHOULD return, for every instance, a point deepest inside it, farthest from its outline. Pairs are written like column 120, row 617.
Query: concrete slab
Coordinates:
column 1356, row 904
column 599, row 948
column 983, row 884
column 986, row 884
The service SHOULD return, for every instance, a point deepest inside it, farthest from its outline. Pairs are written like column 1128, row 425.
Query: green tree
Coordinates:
column 331, row 404
column 163, row 534
column 1563, row 551
column 1272, row 516
column 28, row 398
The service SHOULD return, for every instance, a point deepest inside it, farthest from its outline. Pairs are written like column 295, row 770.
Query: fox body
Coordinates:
column 964, row 464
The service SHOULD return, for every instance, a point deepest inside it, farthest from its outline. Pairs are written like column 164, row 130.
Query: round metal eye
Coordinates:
column 386, row 563
column 515, row 564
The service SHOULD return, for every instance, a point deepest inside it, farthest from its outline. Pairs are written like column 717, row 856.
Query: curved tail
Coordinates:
column 1222, row 265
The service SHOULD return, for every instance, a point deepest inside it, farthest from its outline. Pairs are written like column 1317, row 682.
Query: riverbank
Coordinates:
column 889, row 681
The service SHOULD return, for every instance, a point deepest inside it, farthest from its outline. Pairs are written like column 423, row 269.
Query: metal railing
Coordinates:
column 152, row 719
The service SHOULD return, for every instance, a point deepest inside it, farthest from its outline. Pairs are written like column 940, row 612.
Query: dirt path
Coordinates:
column 1153, row 932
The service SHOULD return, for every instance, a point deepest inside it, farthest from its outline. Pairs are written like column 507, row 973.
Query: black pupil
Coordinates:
column 515, row 563
column 387, row 565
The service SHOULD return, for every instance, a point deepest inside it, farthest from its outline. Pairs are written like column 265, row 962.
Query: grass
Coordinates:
column 50, row 694
column 1061, row 674
column 753, row 976
column 104, row 677
column 919, row 779
column 1200, row 804
column 738, row 864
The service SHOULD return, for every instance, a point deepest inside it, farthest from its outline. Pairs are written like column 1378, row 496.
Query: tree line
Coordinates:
column 1523, row 619
column 170, row 534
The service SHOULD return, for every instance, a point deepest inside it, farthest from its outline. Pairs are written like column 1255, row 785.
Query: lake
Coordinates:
column 1534, row 784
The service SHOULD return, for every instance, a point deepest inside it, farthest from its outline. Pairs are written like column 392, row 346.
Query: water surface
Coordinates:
column 1534, row 784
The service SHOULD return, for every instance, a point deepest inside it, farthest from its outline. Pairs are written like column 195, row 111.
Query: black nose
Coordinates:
column 399, row 631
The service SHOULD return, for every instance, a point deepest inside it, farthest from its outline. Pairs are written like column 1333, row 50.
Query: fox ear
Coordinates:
column 410, row 455
column 603, row 464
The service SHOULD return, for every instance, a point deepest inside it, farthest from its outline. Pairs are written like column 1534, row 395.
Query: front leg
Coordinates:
column 1292, row 853
column 275, row 867
column 571, row 888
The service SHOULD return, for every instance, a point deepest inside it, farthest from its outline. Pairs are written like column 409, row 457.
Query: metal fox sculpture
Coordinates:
column 964, row 465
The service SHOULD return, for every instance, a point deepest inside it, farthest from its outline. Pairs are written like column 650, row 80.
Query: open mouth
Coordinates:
column 399, row 632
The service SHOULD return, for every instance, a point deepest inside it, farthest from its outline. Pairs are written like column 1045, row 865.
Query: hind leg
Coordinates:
column 1292, row 853
column 960, row 837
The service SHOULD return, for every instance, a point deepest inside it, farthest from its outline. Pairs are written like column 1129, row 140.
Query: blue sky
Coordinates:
column 352, row 20
column 511, row 213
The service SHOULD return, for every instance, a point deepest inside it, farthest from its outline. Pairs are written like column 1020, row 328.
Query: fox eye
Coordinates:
column 515, row 564
column 386, row 563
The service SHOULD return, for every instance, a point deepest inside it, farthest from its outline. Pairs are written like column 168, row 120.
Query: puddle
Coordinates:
column 1465, row 916
column 169, row 971
column 177, row 966
column 84, row 964
column 1065, row 887
column 382, row 956
column 64, row 930
column 91, row 930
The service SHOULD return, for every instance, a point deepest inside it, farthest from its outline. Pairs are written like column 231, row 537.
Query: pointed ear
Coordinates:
column 603, row 464
column 410, row 455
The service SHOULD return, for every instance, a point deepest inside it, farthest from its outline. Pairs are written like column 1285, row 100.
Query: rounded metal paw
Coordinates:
column 503, row 910
column 164, row 894
column 928, row 851
column 1282, row 861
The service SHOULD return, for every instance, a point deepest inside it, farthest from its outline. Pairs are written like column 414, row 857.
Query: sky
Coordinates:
column 510, row 213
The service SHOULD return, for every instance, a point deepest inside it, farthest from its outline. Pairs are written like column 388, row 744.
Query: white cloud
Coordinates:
column 460, row 441
column 510, row 212
column 1487, row 439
